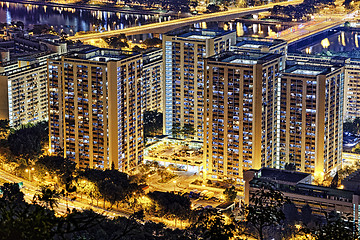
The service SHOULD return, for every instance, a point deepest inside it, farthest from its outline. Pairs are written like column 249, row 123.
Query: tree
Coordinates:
column 153, row 123
column 62, row 168
column 188, row 130
column 47, row 196
column 306, row 214
column 264, row 211
column 153, row 42
column 350, row 126
column 41, row 29
column 224, row 3
column 291, row 213
column 212, row 8
column 290, row 166
column 20, row 220
column 176, row 130
column 194, row 4
column 112, row 185
column 356, row 150
column 20, row 24
column 165, row 204
column 336, row 227
column 230, row 194
column 4, row 129
column 209, row 224
column 111, row 192
column 70, row 187
column 347, row 170
column 288, row 228
column 335, row 181
column 117, row 42
column 11, row 193
column 138, row 49
column 28, row 140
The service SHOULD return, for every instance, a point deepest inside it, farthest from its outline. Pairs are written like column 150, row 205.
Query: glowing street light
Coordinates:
column 29, row 171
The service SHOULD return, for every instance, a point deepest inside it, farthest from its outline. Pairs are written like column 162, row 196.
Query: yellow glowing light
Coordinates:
column 325, row 43
column 203, row 25
column 356, row 40
column 343, row 39
column 239, row 29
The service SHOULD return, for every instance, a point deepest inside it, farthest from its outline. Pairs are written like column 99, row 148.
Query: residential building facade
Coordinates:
column 261, row 45
column 297, row 187
column 23, row 94
column 240, row 123
column 311, row 118
column 23, row 78
column 184, row 51
column 152, row 80
column 95, row 114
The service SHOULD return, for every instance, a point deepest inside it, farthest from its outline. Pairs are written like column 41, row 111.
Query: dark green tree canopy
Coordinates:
column 209, row 224
column 170, row 205
column 230, row 194
column 28, row 140
column 21, row 220
column 336, row 227
column 265, row 210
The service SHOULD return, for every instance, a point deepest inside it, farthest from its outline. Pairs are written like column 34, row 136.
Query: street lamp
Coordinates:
column 136, row 21
column 29, row 171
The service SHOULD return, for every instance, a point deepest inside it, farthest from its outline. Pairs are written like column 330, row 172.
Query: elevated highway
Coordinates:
column 169, row 25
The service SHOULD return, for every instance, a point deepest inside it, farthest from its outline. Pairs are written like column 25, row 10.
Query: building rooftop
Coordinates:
column 225, row 206
column 244, row 57
column 92, row 53
column 198, row 33
column 295, row 183
column 306, row 59
column 281, row 175
column 310, row 70
column 252, row 42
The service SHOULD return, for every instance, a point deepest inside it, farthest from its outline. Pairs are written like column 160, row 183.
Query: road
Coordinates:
column 31, row 188
column 312, row 29
column 168, row 25
column 319, row 24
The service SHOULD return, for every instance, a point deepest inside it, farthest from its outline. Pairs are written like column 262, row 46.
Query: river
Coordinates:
column 340, row 42
column 72, row 20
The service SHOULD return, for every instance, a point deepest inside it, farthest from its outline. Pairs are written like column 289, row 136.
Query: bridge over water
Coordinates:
column 170, row 25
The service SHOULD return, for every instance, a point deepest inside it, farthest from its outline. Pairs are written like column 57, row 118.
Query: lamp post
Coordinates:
column 136, row 19
column 29, row 171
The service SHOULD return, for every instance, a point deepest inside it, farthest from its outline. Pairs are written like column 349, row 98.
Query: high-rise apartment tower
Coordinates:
column 95, row 108
column 184, row 51
column 311, row 118
column 240, row 123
